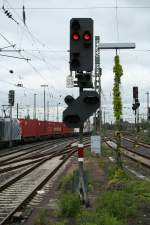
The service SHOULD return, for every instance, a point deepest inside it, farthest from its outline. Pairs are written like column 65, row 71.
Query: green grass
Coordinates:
column 112, row 208
column 141, row 189
column 69, row 205
column 115, row 173
column 87, row 153
column 97, row 218
column 106, row 151
column 66, row 183
column 102, row 163
column 119, row 204
column 59, row 223
column 69, row 183
column 42, row 218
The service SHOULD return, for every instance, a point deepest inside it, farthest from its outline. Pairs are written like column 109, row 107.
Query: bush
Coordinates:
column 106, row 151
column 139, row 189
column 70, row 205
column 116, row 173
column 66, row 183
column 42, row 218
column 85, row 217
column 59, row 223
column 107, row 219
column 98, row 218
column 87, row 153
column 102, row 163
column 119, row 204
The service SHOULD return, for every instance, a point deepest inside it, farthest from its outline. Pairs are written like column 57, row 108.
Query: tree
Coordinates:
column 117, row 106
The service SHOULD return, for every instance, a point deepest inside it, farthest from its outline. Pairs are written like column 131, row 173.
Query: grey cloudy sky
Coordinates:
column 46, row 41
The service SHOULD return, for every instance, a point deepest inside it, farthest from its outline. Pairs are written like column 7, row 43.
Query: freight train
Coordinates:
column 27, row 129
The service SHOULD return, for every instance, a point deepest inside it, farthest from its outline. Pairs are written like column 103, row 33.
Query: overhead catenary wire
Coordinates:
column 24, row 26
column 21, row 56
column 15, row 57
column 35, row 39
column 82, row 8
column 6, row 47
column 12, row 84
column 117, row 21
column 14, row 46
column 41, row 75
column 42, row 58
column 47, row 50
column 8, row 14
column 44, row 44
column 33, row 67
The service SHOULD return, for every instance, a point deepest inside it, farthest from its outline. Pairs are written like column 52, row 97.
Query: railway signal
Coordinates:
column 80, row 109
column 135, row 92
column 135, row 107
column 84, row 80
column 81, row 44
column 148, row 113
column 11, row 97
column 136, row 103
column 81, row 63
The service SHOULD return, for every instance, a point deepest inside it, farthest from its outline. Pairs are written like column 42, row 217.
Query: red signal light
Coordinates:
column 87, row 36
column 75, row 36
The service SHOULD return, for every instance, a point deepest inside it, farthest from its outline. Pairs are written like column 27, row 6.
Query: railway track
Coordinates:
column 30, row 158
column 8, row 151
column 135, row 142
column 139, row 152
column 28, row 150
column 34, row 166
column 35, row 149
column 10, row 169
column 16, row 193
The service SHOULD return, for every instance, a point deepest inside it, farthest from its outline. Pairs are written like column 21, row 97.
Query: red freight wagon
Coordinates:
column 66, row 130
column 35, row 129
column 57, row 130
column 42, row 128
column 28, row 128
column 50, row 128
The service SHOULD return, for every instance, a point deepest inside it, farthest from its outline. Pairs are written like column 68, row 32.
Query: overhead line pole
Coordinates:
column 34, row 114
column 97, row 73
column 147, row 93
column 17, row 110
column 98, row 87
column 10, row 140
column 58, row 111
column 44, row 86
column 116, row 47
column 47, row 110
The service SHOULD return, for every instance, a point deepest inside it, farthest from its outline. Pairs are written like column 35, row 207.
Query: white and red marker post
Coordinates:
column 80, row 153
column 82, row 183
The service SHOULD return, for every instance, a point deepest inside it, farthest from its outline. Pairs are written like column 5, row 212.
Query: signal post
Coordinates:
column 11, row 100
column 135, row 108
column 81, row 108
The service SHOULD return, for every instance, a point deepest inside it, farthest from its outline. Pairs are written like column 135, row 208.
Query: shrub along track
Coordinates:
column 20, row 190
